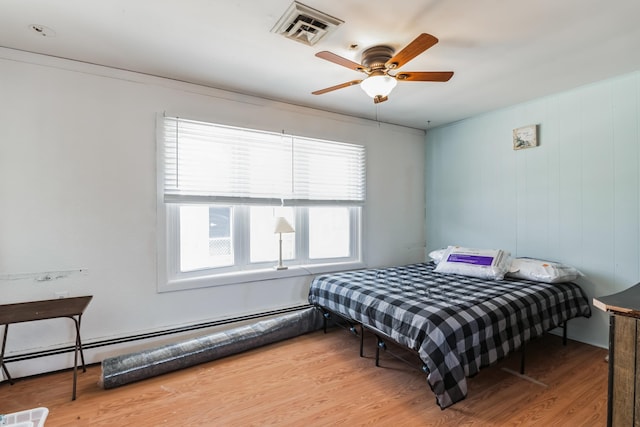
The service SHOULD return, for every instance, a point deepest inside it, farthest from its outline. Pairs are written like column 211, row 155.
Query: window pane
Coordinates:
column 329, row 232
column 263, row 241
column 205, row 237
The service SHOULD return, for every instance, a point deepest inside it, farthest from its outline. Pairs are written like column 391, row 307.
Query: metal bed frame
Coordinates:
column 382, row 339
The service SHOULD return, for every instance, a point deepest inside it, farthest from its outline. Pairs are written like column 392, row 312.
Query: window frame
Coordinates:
column 170, row 278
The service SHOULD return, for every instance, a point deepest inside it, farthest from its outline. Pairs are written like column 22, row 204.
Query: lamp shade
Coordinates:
column 378, row 85
column 281, row 225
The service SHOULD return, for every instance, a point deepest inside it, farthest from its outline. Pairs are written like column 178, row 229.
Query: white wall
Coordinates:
column 574, row 199
column 78, row 192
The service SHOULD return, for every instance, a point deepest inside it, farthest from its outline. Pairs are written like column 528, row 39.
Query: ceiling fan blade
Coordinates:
column 421, row 43
column 336, row 87
column 424, row 76
column 336, row 59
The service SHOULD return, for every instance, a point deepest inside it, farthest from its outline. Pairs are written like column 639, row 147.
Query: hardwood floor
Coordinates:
column 319, row 379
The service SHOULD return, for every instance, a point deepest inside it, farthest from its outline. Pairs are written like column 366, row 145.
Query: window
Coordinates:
column 262, row 240
column 329, row 233
column 222, row 188
column 205, row 237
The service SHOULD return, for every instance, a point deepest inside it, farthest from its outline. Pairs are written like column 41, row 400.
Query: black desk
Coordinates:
column 42, row 310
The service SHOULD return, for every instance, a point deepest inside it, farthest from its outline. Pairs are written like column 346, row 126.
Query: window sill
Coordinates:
column 255, row 276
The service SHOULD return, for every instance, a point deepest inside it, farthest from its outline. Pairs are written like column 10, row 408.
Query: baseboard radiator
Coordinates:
column 149, row 335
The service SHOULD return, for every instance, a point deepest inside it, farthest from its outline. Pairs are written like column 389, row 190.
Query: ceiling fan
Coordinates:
column 380, row 64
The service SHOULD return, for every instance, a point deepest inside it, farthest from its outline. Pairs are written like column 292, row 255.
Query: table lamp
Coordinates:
column 281, row 226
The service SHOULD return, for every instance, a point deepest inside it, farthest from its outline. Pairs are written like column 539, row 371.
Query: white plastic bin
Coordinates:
column 30, row 418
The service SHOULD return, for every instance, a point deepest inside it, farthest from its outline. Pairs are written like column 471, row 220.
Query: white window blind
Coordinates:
column 326, row 171
column 206, row 163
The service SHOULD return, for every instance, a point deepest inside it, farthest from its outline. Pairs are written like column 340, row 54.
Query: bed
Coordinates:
column 456, row 324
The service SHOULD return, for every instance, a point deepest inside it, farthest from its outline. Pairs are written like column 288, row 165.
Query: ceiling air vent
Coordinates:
column 305, row 24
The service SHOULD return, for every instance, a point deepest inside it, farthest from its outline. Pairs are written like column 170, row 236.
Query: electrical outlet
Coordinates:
column 61, row 294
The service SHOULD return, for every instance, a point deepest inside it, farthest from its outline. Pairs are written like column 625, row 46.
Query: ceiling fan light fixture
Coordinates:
column 378, row 85
column 378, row 61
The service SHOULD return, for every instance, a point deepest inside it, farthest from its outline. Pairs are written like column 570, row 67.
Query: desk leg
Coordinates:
column 78, row 349
column 75, row 356
column 75, row 362
column 4, row 344
column 79, row 343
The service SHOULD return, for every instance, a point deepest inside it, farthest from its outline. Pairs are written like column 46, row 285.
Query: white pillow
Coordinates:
column 542, row 271
column 436, row 255
column 482, row 263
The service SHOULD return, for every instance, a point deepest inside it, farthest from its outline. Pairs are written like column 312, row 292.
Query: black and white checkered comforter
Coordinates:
column 457, row 324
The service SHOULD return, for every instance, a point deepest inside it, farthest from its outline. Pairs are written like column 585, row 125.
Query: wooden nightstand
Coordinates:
column 623, row 408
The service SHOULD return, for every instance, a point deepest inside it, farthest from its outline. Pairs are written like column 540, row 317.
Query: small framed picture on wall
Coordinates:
column 525, row 137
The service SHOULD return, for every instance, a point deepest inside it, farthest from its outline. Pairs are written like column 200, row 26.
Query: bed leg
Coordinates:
column 522, row 354
column 325, row 319
column 353, row 329
column 381, row 345
column 361, row 341
column 564, row 333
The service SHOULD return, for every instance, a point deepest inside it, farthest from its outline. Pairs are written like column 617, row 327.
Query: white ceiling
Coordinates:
column 502, row 51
